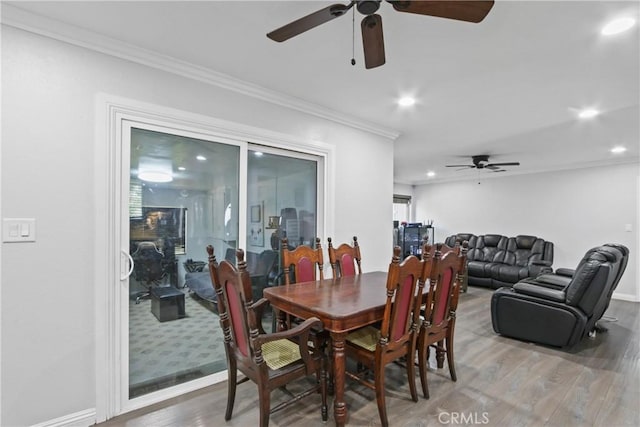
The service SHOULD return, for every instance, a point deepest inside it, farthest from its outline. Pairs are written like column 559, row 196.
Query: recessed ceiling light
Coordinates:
column 431, row 174
column 618, row 149
column 617, row 26
column 258, row 153
column 155, row 176
column 201, row 158
column 182, row 168
column 406, row 101
column 588, row 113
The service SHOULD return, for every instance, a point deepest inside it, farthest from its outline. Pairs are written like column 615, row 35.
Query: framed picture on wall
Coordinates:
column 165, row 226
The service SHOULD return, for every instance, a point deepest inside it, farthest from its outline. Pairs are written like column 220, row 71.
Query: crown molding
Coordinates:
column 19, row 18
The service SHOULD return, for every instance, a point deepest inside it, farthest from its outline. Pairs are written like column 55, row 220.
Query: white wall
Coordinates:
column 49, row 91
column 576, row 210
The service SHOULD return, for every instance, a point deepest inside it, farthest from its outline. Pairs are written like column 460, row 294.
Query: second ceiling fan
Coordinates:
column 372, row 38
column 482, row 162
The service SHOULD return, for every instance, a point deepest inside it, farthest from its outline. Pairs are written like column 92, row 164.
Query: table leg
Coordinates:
column 339, row 366
column 280, row 320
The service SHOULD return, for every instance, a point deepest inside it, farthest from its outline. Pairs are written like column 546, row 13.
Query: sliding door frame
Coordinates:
column 114, row 117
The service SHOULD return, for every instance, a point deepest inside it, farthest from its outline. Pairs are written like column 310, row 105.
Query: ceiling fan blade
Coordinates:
column 460, row 166
column 503, row 164
column 308, row 22
column 373, row 41
column 470, row 11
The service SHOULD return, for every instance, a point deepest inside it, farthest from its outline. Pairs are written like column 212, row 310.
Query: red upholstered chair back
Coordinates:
column 437, row 330
column 345, row 259
column 233, row 288
column 303, row 263
column 444, row 283
column 405, row 281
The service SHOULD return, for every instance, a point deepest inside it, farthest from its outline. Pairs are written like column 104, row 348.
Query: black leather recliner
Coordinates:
column 562, row 276
column 544, row 311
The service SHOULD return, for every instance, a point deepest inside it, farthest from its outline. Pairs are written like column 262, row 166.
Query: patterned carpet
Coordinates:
column 163, row 354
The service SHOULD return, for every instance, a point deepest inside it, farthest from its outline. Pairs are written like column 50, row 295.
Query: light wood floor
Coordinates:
column 501, row 382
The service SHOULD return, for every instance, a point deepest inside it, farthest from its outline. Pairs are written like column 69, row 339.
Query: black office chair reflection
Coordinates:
column 148, row 268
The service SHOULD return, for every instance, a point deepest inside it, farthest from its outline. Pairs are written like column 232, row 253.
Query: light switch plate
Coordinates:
column 18, row 230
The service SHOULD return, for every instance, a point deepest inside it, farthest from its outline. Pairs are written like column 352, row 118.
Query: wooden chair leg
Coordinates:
column 231, row 389
column 380, row 398
column 323, row 389
column 328, row 351
column 411, row 374
column 265, row 405
column 450, row 362
column 423, row 363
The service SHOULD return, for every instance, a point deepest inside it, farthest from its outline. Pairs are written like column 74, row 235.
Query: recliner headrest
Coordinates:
column 609, row 254
column 464, row 236
column 525, row 242
column 492, row 239
column 622, row 248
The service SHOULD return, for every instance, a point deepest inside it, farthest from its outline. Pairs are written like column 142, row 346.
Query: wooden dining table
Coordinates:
column 343, row 305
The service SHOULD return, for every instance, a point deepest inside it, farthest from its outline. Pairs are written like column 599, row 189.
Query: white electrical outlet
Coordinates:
column 628, row 228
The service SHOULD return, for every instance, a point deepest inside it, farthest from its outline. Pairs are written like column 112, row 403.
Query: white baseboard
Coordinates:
column 79, row 419
column 625, row 297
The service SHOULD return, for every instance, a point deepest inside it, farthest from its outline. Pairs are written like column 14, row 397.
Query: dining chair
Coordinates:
column 345, row 259
column 439, row 312
column 269, row 360
column 303, row 264
column 373, row 347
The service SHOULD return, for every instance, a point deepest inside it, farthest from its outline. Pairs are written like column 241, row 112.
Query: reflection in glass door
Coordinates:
column 282, row 201
column 183, row 196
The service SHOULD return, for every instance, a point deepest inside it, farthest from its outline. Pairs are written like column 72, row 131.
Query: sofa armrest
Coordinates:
column 542, row 263
column 540, row 292
column 568, row 272
column 536, row 269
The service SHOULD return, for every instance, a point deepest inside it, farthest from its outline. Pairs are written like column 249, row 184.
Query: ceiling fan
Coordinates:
column 372, row 39
column 482, row 162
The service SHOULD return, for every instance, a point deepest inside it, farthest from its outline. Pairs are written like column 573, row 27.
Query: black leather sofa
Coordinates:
column 494, row 260
column 544, row 311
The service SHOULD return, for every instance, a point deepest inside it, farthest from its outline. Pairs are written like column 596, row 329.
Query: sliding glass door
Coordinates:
column 183, row 195
column 182, row 192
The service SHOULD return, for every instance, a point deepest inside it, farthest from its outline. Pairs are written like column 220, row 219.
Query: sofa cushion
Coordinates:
column 479, row 268
column 524, row 250
column 508, row 273
column 488, row 248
